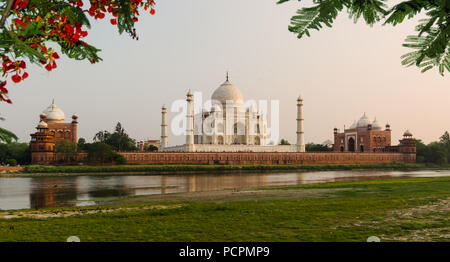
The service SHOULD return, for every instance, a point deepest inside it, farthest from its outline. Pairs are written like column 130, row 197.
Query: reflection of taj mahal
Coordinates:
column 229, row 126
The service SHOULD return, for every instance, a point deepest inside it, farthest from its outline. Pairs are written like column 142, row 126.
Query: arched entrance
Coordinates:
column 361, row 148
column 351, row 144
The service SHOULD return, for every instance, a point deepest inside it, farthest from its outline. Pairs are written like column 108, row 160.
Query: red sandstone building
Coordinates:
column 51, row 129
column 369, row 136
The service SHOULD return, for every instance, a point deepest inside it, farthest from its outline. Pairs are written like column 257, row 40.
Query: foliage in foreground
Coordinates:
column 28, row 26
column 431, row 45
column 352, row 213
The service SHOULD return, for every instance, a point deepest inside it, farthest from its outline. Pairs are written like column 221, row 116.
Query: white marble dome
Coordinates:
column 42, row 124
column 407, row 133
column 227, row 92
column 363, row 121
column 353, row 125
column 376, row 125
column 54, row 114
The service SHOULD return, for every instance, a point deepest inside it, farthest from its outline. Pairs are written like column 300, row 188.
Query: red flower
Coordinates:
column 113, row 21
column 16, row 78
column 152, row 11
column 48, row 67
column 55, row 55
column 25, row 75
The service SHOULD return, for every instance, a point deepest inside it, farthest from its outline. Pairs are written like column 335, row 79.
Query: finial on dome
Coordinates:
column 299, row 98
column 227, row 75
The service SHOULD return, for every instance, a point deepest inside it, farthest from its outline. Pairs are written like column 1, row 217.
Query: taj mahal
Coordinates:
column 229, row 126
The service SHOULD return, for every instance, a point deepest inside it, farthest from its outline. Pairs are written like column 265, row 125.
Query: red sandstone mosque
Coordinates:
column 369, row 136
column 51, row 128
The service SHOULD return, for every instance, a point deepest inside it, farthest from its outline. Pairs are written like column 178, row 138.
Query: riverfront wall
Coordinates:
column 239, row 158
column 267, row 158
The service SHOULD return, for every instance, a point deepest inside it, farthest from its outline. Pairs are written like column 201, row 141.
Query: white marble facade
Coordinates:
column 229, row 126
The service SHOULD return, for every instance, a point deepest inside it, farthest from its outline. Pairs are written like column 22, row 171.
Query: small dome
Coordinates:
column 363, row 121
column 376, row 125
column 42, row 124
column 407, row 133
column 227, row 92
column 216, row 108
column 54, row 113
column 353, row 125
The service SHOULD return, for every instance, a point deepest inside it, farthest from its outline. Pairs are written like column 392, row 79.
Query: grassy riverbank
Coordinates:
column 36, row 169
column 411, row 209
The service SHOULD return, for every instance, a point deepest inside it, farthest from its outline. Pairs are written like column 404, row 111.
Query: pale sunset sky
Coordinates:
column 340, row 72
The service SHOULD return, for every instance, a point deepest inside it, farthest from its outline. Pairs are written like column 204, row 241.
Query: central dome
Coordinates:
column 54, row 113
column 363, row 121
column 227, row 92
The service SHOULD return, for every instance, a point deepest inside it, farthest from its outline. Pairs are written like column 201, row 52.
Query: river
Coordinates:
column 82, row 190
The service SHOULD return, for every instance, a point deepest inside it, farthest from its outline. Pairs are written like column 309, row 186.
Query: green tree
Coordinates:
column 67, row 149
column 284, row 142
column 120, row 140
column 102, row 152
column 5, row 135
column 99, row 151
column 431, row 45
column 30, row 29
column 437, row 153
column 101, row 136
column 150, row 148
column 311, row 147
column 445, row 141
column 81, row 144
column 18, row 151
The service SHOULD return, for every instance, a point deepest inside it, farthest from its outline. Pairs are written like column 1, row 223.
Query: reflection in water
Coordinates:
column 39, row 192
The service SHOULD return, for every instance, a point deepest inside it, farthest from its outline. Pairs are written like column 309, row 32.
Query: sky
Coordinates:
column 341, row 72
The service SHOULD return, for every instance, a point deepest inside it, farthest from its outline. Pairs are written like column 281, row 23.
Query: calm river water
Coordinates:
column 39, row 192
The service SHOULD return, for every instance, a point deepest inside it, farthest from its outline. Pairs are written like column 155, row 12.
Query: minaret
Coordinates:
column 74, row 128
column 164, row 142
column 300, row 132
column 190, row 119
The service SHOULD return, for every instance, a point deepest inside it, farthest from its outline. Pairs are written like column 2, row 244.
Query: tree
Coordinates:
column 27, row 27
column 431, row 44
column 284, row 142
column 102, row 152
column 67, row 148
column 150, row 148
column 6, row 136
column 18, row 151
column 101, row 136
column 445, row 141
column 120, row 140
column 81, row 144
column 311, row 147
column 99, row 151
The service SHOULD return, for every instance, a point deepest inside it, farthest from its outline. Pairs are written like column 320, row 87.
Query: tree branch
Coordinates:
column 5, row 14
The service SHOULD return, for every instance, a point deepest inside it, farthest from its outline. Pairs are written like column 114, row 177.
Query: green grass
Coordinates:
column 207, row 168
column 347, row 211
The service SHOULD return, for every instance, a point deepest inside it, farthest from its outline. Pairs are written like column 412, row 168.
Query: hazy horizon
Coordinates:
column 340, row 72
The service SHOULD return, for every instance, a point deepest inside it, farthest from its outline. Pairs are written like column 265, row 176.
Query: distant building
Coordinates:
column 51, row 129
column 369, row 136
column 142, row 144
